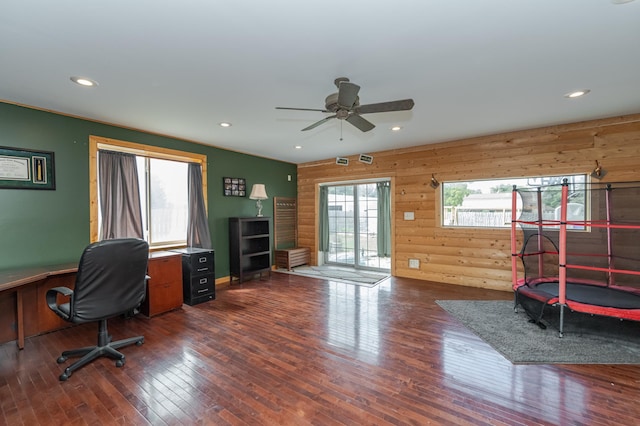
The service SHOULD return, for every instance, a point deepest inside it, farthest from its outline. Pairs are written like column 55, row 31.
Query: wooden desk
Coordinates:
column 20, row 281
column 29, row 287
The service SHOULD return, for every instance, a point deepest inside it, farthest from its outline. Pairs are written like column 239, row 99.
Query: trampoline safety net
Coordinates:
column 599, row 242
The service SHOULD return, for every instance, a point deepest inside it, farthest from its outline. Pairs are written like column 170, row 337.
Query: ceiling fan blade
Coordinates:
column 360, row 122
column 303, row 109
column 402, row 105
column 317, row 123
column 347, row 94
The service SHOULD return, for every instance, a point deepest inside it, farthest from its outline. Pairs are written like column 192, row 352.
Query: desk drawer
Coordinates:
column 164, row 288
column 163, row 270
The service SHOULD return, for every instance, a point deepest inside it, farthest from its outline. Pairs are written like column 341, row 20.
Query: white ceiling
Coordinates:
column 178, row 68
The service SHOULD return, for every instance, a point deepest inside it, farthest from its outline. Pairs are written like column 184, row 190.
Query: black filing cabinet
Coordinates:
column 198, row 275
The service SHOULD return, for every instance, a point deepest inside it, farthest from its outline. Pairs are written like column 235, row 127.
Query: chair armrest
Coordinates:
column 52, row 300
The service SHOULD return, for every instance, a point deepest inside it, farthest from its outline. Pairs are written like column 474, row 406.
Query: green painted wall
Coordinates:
column 39, row 227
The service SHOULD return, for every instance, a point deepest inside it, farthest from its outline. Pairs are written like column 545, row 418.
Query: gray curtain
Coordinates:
column 323, row 243
column 119, row 196
column 198, row 225
column 384, row 219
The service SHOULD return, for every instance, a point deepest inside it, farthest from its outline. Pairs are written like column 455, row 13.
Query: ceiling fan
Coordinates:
column 345, row 105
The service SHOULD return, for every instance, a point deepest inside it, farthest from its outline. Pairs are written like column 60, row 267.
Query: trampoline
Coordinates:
column 582, row 255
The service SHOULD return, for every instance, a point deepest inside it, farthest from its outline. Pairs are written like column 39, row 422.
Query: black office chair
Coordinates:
column 111, row 281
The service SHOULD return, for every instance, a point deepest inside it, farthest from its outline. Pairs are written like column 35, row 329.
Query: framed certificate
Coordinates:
column 26, row 169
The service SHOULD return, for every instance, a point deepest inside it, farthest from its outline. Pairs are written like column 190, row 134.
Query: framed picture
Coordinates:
column 341, row 161
column 234, row 187
column 26, row 169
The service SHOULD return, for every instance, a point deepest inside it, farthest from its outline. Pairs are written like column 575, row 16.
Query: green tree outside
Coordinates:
column 453, row 194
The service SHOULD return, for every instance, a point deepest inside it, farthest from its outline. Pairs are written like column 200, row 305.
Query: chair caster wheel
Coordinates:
column 64, row 376
column 61, row 359
column 120, row 363
column 139, row 342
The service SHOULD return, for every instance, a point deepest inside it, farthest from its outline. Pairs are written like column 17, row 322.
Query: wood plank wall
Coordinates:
column 470, row 257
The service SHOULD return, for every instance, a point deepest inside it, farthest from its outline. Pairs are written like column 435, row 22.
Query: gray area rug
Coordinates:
column 334, row 273
column 587, row 339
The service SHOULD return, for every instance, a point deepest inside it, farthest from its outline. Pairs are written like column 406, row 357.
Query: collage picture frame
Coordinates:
column 234, row 187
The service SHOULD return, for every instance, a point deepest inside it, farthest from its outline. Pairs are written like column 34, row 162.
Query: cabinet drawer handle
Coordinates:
column 203, row 280
column 202, row 269
column 202, row 260
column 203, row 291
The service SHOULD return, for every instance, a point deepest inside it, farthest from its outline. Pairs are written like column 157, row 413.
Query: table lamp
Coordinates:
column 259, row 193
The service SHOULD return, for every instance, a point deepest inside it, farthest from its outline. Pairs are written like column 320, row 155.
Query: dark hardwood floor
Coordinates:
column 293, row 351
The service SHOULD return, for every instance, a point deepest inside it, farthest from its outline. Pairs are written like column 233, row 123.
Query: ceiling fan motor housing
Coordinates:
column 331, row 104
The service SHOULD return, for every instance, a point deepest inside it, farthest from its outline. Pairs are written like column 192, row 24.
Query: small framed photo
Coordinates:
column 341, row 161
column 234, row 187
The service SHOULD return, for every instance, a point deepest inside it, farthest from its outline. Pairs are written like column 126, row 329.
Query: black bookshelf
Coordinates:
column 249, row 246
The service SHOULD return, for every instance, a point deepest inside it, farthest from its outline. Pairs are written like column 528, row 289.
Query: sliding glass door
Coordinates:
column 353, row 226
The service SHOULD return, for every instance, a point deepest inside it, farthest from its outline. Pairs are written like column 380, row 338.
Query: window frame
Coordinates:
column 97, row 143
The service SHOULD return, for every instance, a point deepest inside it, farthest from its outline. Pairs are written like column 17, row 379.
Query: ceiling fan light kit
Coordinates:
column 345, row 105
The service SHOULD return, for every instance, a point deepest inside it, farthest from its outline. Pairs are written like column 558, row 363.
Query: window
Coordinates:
column 487, row 203
column 163, row 182
column 163, row 185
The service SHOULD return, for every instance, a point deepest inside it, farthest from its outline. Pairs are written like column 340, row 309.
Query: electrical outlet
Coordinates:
column 414, row 263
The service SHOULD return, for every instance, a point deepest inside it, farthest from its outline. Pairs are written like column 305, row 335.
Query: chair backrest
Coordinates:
column 111, row 279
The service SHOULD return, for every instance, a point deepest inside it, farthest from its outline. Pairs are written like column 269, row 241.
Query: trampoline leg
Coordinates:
column 561, row 319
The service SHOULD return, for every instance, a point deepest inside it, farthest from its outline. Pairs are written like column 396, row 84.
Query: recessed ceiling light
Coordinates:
column 225, row 124
column 298, row 147
column 83, row 81
column 577, row 93
column 396, row 128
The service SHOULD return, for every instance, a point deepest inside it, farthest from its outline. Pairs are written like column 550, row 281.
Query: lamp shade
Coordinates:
column 258, row 192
